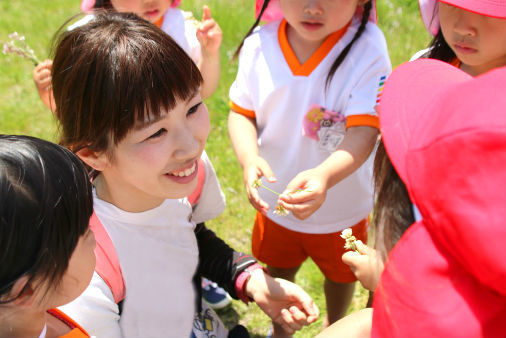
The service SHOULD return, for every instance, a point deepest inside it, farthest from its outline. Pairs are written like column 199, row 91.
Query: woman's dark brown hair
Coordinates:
column 393, row 212
column 112, row 72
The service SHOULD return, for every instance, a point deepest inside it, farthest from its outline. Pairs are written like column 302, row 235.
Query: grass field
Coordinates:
column 21, row 111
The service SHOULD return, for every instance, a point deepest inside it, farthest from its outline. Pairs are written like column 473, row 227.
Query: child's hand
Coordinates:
column 209, row 33
column 285, row 302
column 305, row 193
column 253, row 171
column 42, row 79
column 366, row 265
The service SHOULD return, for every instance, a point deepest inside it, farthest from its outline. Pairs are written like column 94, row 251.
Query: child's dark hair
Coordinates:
column 116, row 70
column 102, row 4
column 440, row 50
column 340, row 58
column 45, row 207
column 393, row 212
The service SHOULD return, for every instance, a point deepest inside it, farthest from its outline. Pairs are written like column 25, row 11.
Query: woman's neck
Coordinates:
column 21, row 323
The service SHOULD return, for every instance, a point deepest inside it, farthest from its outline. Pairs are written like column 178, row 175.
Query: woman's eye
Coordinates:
column 157, row 134
column 194, row 109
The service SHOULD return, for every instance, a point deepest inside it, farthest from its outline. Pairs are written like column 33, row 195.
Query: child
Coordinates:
column 200, row 40
column 302, row 116
column 144, row 147
column 46, row 257
column 474, row 31
column 445, row 276
column 468, row 34
column 452, row 161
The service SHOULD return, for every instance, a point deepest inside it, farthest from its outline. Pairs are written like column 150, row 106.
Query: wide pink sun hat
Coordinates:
column 430, row 15
column 87, row 5
column 445, row 134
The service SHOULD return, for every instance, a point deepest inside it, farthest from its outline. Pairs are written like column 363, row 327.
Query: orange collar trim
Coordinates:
column 456, row 62
column 307, row 68
column 159, row 22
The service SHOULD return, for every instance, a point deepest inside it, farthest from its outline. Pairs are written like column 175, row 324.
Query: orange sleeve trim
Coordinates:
column 242, row 111
column 362, row 120
column 307, row 68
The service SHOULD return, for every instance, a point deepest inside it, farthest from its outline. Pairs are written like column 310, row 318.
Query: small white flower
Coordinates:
column 346, row 233
column 281, row 211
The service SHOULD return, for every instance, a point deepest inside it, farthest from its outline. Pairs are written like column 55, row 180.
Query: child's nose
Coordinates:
column 464, row 24
column 313, row 7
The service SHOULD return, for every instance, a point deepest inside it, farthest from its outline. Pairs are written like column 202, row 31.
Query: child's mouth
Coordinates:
column 311, row 26
column 152, row 14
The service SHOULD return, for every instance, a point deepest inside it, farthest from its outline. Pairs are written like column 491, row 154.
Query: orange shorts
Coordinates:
column 280, row 247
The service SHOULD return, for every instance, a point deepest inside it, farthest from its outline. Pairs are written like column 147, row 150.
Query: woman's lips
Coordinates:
column 184, row 176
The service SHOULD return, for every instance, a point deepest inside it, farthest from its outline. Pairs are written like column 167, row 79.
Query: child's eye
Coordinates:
column 193, row 109
column 158, row 133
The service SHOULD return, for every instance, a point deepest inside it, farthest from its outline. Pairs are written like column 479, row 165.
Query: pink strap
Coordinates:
column 201, row 178
column 107, row 265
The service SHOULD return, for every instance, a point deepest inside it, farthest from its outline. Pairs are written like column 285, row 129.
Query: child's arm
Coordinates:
column 42, row 79
column 209, row 35
column 243, row 134
column 355, row 148
column 357, row 324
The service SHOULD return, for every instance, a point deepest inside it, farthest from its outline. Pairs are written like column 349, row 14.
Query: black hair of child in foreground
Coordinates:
column 46, row 247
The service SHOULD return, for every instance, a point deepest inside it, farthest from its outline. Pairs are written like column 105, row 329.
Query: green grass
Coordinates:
column 21, row 112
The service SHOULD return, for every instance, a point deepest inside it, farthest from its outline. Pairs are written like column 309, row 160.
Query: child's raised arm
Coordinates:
column 209, row 35
column 42, row 79
column 307, row 191
column 243, row 134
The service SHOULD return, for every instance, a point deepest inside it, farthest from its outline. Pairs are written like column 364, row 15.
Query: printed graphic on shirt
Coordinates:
column 380, row 88
column 324, row 126
column 207, row 324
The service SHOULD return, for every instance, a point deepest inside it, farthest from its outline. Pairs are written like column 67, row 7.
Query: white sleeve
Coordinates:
column 239, row 92
column 212, row 200
column 371, row 70
column 95, row 310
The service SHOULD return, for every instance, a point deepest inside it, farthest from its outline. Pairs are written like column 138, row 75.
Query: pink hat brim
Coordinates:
column 430, row 14
column 87, row 5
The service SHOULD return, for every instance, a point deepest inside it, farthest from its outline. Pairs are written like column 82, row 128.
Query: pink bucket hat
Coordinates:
column 273, row 11
column 430, row 16
column 87, row 5
column 445, row 133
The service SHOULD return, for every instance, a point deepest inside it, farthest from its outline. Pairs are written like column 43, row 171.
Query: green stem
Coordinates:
column 274, row 192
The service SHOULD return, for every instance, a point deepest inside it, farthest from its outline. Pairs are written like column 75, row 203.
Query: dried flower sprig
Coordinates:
column 17, row 45
column 351, row 241
column 280, row 210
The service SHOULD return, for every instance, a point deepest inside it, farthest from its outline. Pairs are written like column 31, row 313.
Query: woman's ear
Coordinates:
column 23, row 293
column 97, row 161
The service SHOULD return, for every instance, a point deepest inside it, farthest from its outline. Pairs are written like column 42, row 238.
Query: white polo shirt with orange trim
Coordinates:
column 294, row 113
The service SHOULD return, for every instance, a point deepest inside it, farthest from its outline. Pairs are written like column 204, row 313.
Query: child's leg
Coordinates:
column 338, row 297
column 326, row 251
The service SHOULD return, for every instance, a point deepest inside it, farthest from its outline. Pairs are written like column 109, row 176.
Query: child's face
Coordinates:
column 478, row 41
column 313, row 20
column 151, row 10
column 79, row 272
column 158, row 160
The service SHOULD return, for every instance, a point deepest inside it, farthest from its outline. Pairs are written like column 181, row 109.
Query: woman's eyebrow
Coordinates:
column 146, row 123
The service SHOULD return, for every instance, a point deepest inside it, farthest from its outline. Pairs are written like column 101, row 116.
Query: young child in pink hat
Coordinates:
column 445, row 276
column 470, row 34
column 201, row 40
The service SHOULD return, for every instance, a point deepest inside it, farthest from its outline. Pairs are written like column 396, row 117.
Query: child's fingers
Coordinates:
column 288, row 320
column 206, row 13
